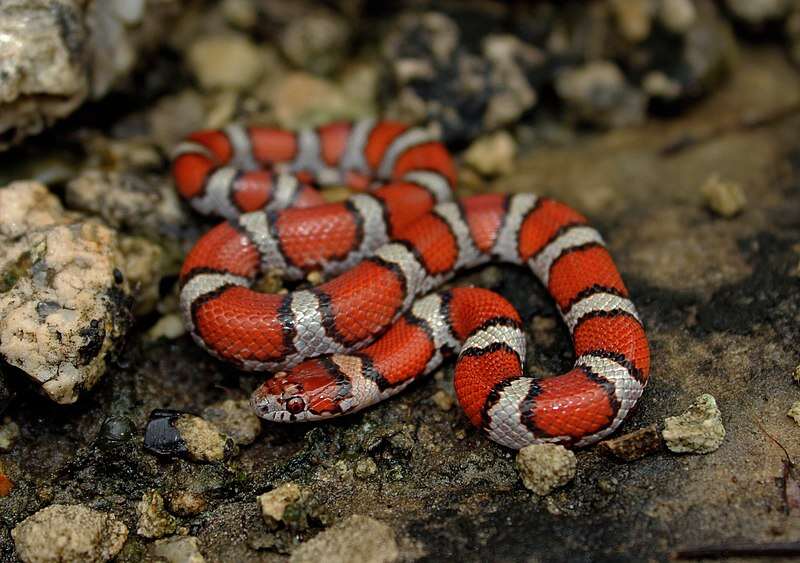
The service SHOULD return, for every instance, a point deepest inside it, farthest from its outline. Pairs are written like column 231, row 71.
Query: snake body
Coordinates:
column 374, row 326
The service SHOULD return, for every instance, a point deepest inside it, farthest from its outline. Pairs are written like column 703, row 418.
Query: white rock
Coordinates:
column 178, row 549
column 492, row 155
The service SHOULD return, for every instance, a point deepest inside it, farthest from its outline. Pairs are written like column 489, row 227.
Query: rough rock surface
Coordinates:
column 544, row 467
column 57, row 53
column 69, row 533
column 699, row 430
column 63, row 299
column 177, row 549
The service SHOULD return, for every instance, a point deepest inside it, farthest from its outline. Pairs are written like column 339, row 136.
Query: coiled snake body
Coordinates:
column 374, row 327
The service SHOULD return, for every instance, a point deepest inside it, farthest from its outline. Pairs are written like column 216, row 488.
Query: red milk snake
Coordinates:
column 383, row 250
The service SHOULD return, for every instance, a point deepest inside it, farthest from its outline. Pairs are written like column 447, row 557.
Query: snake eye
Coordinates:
column 295, row 405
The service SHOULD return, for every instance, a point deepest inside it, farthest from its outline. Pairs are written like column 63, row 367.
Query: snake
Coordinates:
column 379, row 321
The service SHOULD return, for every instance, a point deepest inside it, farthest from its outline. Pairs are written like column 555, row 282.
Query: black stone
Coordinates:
column 161, row 437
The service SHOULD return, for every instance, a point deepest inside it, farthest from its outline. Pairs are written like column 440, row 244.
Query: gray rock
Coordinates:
column 544, row 467
column 358, row 539
column 63, row 304
column 699, row 430
column 65, row 51
column 757, row 12
column 9, row 432
column 435, row 76
column 598, row 93
column 69, row 533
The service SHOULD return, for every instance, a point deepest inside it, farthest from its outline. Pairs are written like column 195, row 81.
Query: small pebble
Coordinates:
column 677, row 15
column 178, row 549
column 204, row 441
column 726, row 199
column 154, row 520
column 9, row 432
column 358, row 539
column 186, row 503
column 698, row 430
column 543, row 467
column 492, row 155
column 794, row 412
column 235, row 419
column 797, row 374
column 169, row 327
column 230, row 61
column 276, row 505
column 365, row 467
column 634, row 18
column 69, row 533
column 443, row 400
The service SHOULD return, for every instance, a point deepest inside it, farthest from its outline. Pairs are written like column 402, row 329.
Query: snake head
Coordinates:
column 307, row 392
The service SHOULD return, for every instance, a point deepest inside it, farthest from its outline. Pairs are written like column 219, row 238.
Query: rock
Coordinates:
column 154, row 520
column 634, row 445
column 170, row 327
column 726, row 199
column 69, row 533
column 698, row 430
column 186, row 503
column 435, row 76
column 177, row 549
column 9, row 432
column 543, row 467
column 316, row 42
column 172, row 118
column 178, row 434
column 241, row 13
column 634, row 18
column 443, row 400
column 365, row 467
column 677, row 15
column 757, row 12
column 235, row 419
column 794, row 412
column 58, row 53
column 492, row 155
column 230, row 61
column 797, row 374
column 143, row 204
column 63, row 306
column 357, row 539
column 598, row 93
column 284, row 505
column 204, row 441
column 301, row 100
column 144, row 264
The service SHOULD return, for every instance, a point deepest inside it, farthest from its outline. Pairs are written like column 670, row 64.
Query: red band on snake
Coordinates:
column 373, row 328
